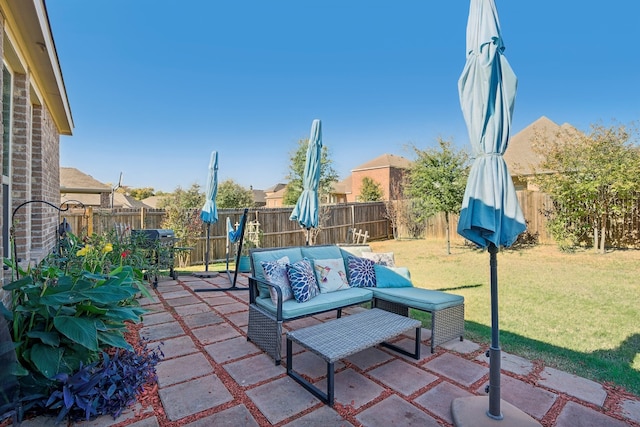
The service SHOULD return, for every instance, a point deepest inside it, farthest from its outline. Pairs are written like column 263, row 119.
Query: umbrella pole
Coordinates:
column 494, row 351
column 206, row 258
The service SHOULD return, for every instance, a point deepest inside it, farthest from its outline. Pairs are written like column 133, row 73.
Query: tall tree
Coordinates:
column 437, row 181
column 371, row 190
column 233, row 195
column 589, row 177
column 296, row 171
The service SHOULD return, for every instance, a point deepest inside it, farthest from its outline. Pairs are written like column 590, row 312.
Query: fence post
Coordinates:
column 90, row 221
column 142, row 218
column 353, row 216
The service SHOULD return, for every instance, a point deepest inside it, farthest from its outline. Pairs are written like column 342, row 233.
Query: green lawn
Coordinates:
column 579, row 312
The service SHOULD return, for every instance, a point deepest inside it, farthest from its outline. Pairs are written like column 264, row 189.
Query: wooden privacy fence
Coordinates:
column 276, row 229
column 532, row 203
column 335, row 222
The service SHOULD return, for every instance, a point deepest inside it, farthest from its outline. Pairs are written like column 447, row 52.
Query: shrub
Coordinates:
column 105, row 387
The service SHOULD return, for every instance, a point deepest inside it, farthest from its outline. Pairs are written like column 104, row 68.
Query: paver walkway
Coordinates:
column 211, row 376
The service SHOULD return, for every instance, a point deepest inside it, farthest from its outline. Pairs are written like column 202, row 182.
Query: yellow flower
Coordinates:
column 107, row 248
column 84, row 251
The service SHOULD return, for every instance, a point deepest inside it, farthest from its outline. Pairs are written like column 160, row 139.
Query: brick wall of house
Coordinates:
column 21, row 165
column 46, row 183
column 379, row 175
column 396, row 180
column 4, row 296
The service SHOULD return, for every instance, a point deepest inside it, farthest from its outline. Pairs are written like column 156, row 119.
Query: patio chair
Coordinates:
column 235, row 236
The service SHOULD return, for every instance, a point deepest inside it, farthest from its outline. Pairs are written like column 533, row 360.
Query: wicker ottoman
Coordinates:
column 339, row 338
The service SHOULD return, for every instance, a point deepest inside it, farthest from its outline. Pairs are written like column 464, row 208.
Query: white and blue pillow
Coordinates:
column 302, row 280
column 276, row 273
column 331, row 274
column 361, row 272
column 381, row 258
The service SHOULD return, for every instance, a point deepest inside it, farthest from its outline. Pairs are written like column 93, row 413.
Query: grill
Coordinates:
column 159, row 246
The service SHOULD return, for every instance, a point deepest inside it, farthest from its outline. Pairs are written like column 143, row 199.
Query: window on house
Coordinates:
column 7, row 104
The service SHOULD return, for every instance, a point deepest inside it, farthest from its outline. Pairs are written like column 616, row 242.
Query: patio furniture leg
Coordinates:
column 415, row 354
column 327, row 397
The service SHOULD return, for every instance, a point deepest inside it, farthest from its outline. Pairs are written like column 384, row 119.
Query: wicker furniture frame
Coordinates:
column 446, row 324
column 339, row 338
column 265, row 328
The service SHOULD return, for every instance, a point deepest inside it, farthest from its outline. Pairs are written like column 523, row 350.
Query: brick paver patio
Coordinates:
column 211, row 376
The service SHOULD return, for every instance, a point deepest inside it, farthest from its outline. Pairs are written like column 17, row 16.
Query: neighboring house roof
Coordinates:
column 74, row 181
column 126, row 201
column 342, row 187
column 521, row 157
column 384, row 161
column 279, row 186
column 152, row 201
column 78, row 186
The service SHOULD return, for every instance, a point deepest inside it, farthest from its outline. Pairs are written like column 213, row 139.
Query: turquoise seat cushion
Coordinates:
column 420, row 298
column 294, row 254
column 324, row 302
column 392, row 277
column 321, row 252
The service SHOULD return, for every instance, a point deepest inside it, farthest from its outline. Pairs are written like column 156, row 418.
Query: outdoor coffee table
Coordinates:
column 339, row 338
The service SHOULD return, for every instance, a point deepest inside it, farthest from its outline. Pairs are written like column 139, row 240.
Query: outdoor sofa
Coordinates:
column 393, row 291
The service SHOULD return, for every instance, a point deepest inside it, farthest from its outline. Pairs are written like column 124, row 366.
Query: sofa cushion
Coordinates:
column 303, row 280
column 323, row 302
column 420, row 298
column 321, row 252
column 330, row 274
column 392, row 277
column 276, row 273
column 361, row 272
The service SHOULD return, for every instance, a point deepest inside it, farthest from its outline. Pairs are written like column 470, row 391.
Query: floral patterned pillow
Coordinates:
column 383, row 258
column 331, row 274
column 276, row 273
column 361, row 272
column 303, row 280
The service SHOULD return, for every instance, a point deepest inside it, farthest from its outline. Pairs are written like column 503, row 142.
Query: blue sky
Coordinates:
column 156, row 85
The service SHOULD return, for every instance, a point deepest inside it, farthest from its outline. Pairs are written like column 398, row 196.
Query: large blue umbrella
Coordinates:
column 491, row 216
column 209, row 212
column 306, row 208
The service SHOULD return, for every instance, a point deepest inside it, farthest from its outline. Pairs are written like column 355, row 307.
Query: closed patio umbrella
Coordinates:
column 209, row 212
column 306, row 208
column 491, row 216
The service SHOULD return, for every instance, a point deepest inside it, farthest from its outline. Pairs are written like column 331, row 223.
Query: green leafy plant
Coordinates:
column 66, row 311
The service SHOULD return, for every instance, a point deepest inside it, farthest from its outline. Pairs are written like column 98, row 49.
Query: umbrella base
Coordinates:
column 472, row 412
column 205, row 274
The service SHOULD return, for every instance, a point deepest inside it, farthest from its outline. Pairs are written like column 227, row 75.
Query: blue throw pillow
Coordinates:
column 389, row 277
column 361, row 272
column 302, row 280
